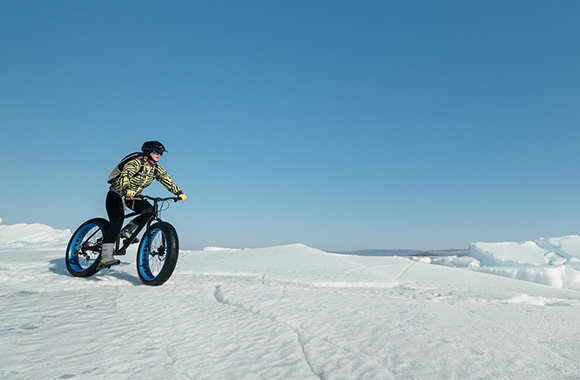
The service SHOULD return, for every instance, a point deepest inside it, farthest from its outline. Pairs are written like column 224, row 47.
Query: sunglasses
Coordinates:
column 157, row 152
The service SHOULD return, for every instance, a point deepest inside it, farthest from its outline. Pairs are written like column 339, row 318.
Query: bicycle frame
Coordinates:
column 152, row 215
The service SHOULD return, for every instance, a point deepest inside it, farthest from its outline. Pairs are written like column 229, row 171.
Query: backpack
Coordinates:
column 116, row 172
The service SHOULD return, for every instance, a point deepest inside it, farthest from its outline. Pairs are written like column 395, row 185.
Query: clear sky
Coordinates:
column 338, row 124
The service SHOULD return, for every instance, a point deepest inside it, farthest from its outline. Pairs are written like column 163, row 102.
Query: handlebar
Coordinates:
column 156, row 199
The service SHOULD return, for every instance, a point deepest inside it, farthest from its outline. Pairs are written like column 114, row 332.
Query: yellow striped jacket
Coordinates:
column 131, row 178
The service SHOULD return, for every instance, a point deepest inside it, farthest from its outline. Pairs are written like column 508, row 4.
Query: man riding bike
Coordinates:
column 136, row 175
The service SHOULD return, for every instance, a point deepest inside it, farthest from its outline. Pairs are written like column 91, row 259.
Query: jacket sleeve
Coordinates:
column 128, row 172
column 166, row 181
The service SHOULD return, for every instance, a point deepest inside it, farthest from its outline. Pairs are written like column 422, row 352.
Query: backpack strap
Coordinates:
column 142, row 163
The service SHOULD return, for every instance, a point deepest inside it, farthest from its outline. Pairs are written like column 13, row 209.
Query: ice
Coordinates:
column 552, row 261
column 567, row 247
column 508, row 253
column 289, row 312
column 552, row 276
column 454, row 261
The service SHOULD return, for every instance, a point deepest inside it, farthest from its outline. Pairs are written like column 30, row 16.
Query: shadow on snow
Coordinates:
column 58, row 266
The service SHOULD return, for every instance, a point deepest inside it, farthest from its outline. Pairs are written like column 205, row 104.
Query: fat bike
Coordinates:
column 156, row 256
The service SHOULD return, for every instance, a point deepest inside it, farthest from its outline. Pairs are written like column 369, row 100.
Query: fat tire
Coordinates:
column 156, row 260
column 88, row 264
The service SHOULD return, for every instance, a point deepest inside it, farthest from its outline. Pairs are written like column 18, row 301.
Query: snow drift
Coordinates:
column 32, row 236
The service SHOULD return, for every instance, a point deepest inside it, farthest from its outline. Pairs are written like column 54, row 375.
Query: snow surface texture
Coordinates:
column 289, row 312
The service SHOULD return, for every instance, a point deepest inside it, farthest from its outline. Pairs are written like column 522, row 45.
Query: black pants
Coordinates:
column 116, row 213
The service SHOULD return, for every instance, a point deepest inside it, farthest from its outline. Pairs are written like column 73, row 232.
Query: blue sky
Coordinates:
column 338, row 124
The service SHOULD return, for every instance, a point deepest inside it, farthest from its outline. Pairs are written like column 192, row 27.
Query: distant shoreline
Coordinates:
column 405, row 252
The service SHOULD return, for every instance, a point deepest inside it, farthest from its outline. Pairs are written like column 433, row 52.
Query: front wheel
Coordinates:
column 84, row 248
column 157, row 254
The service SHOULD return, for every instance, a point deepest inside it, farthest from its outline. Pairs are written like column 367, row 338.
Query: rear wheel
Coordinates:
column 157, row 254
column 84, row 248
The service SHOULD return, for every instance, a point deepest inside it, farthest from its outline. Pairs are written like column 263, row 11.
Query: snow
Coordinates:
column 291, row 312
column 31, row 236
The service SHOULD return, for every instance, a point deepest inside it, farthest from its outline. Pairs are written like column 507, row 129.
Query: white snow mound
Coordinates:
column 32, row 236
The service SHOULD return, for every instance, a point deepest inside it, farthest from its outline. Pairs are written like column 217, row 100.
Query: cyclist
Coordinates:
column 135, row 176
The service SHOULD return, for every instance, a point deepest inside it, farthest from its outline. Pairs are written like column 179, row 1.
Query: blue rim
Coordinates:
column 143, row 255
column 77, row 239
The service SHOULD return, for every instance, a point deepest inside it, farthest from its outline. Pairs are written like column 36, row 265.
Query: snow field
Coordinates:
column 288, row 312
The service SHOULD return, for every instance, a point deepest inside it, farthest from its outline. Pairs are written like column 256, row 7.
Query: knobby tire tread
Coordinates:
column 172, row 253
column 94, row 267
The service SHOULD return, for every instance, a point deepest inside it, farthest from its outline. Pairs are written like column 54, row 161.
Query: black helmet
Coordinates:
column 150, row 146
